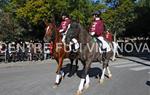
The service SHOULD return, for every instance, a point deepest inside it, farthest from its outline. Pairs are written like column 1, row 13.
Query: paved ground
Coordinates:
column 131, row 76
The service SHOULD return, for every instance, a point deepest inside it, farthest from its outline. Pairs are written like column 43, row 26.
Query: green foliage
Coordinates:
column 140, row 26
column 9, row 27
column 27, row 15
column 117, row 19
column 143, row 3
column 34, row 10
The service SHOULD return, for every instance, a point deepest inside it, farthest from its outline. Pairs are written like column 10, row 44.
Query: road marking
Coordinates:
column 140, row 68
column 127, row 65
column 114, row 64
column 111, row 64
column 148, row 72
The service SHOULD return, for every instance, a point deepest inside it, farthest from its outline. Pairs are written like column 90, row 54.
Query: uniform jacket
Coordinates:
column 97, row 26
column 108, row 36
column 64, row 25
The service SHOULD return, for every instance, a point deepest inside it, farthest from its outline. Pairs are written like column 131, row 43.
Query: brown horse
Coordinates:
column 59, row 51
column 88, row 53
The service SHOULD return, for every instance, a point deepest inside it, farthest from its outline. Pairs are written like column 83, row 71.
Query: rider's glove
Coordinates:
column 92, row 33
column 61, row 30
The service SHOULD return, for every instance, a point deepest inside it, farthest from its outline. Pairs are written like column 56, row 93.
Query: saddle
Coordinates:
column 96, row 40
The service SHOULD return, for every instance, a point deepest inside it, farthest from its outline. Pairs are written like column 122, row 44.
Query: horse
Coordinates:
column 59, row 53
column 88, row 55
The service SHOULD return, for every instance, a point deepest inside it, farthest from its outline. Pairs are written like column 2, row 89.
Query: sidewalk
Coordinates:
column 25, row 63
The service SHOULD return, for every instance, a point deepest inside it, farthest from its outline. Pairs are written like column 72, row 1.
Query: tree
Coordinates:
column 119, row 16
column 140, row 26
column 30, row 14
column 9, row 27
column 143, row 3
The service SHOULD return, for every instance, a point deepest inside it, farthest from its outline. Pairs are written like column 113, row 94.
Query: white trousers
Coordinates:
column 105, row 44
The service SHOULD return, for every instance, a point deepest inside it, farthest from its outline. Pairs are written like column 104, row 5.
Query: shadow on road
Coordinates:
column 66, row 70
column 148, row 83
column 93, row 72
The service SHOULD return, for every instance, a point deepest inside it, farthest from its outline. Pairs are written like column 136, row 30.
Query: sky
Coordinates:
column 99, row 0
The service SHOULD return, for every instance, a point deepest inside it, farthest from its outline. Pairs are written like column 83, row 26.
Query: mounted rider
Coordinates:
column 65, row 25
column 97, row 29
column 109, row 36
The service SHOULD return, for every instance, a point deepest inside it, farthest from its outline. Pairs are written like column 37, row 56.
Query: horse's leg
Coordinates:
column 70, row 69
column 84, row 78
column 114, row 55
column 58, row 72
column 87, row 83
column 105, row 64
column 106, row 58
column 109, row 72
column 103, row 75
column 76, row 64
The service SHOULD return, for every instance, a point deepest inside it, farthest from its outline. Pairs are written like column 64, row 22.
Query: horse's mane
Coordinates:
column 84, row 35
column 55, row 32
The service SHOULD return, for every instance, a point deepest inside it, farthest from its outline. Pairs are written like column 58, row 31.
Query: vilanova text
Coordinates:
column 42, row 47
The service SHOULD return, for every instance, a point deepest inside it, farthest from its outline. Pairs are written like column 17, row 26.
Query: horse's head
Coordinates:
column 49, row 34
column 73, row 32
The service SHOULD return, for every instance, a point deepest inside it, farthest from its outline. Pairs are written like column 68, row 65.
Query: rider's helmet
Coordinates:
column 65, row 14
column 96, row 13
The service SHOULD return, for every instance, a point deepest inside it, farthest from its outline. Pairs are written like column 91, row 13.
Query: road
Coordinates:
column 131, row 76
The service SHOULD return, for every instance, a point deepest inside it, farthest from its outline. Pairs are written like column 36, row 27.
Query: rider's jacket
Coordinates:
column 64, row 25
column 97, row 26
column 108, row 36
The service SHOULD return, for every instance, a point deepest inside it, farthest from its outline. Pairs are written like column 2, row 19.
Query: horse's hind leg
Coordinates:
column 103, row 75
column 76, row 64
column 105, row 65
column 109, row 72
column 114, row 56
column 70, row 67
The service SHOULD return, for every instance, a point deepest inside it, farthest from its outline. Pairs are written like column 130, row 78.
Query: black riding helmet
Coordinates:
column 65, row 14
column 96, row 13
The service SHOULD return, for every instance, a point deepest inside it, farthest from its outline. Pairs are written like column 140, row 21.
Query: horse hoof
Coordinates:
column 55, row 85
column 78, row 93
column 101, row 81
column 113, row 59
column 63, row 78
column 87, row 86
column 110, row 76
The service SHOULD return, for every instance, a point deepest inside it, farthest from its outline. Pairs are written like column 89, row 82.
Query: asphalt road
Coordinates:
column 131, row 76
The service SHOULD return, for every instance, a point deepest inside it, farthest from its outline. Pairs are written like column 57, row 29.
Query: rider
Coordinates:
column 97, row 29
column 108, row 36
column 65, row 24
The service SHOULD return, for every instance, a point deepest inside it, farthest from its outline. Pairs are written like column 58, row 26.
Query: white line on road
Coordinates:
column 140, row 68
column 117, row 63
column 127, row 65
